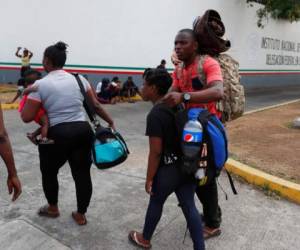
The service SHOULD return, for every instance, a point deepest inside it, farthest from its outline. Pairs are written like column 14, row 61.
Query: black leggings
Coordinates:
column 73, row 142
column 167, row 180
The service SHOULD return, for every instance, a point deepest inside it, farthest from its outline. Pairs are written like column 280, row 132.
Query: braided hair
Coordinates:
column 160, row 78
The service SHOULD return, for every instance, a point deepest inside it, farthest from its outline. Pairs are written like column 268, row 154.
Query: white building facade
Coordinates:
column 117, row 37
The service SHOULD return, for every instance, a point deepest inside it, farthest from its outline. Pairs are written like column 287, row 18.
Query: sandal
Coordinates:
column 45, row 212
column 45, row 141
column 32, row 138
column 79, row 218
column 210, row 232
column 132, row 236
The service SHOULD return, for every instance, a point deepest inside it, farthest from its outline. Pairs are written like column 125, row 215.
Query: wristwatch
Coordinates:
column 186, row 97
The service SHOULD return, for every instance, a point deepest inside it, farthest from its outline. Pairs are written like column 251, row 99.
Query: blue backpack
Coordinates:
column 214, row 140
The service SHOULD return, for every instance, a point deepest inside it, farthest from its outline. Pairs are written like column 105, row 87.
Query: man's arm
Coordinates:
column 6, row 153
column 213, row 93
column 174, row 89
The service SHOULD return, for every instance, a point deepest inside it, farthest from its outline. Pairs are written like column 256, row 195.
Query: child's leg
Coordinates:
column 32, row 136
column 44, row 122
column 36, row 132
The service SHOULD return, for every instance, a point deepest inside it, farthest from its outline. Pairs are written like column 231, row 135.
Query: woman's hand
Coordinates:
column 148, row 187
column 14, row 186
column 112, row 125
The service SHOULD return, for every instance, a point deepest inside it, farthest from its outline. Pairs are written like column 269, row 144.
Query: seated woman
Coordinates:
column 114, row 89
column 103, row 92
column 129, row 89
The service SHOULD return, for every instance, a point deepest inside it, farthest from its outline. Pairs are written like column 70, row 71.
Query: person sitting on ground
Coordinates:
column 103, row 92
column 162, row 64
column 13, row 182
column 25, row 59
column 41, row 118
column 114, row 90
column 163, row 174
column 99, row 87
column 129, row 89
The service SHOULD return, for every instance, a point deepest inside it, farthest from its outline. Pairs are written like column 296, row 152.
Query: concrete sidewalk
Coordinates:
column 251, row 220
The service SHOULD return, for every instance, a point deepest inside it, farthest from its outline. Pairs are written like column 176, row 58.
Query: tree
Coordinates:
column 277, row 9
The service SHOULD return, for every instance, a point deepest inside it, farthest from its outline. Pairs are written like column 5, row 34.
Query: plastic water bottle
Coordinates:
column 192, row 133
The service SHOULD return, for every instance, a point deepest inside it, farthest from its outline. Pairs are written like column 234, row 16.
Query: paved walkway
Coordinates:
column 251, row 220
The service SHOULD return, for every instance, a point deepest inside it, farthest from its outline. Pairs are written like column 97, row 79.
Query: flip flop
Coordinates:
column 132, row 236
column 210, row 233
column 45, row 212
column 45, row 141
column 32, row 138
column 80, row 222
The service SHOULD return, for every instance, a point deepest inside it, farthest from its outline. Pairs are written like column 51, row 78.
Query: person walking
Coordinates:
column 164, row 176
column 60, row 95
column 188, row 89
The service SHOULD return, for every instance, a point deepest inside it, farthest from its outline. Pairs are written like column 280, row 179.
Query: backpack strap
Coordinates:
column 87, row 102
column 231, row 182
column 201, row 73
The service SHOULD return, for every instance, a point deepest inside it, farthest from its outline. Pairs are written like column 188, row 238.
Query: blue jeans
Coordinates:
column 169, row 179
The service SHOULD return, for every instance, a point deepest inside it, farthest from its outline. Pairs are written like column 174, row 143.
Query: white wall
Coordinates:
column 133, row 33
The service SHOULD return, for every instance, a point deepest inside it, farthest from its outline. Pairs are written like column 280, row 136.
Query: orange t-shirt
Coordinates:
column 187, row 79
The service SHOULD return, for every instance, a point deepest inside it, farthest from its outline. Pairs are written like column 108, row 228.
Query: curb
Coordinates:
column 287, row 189
column 5, row 106
column 254, row 176
column 271, row 107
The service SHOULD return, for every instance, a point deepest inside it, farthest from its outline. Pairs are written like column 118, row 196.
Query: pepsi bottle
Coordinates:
column 192, row 134
column 192, row 137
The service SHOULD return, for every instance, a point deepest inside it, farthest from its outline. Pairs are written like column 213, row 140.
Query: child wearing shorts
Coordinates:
column 39, row 136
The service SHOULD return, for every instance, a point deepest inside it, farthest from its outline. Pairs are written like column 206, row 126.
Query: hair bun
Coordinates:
column 61, row 46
